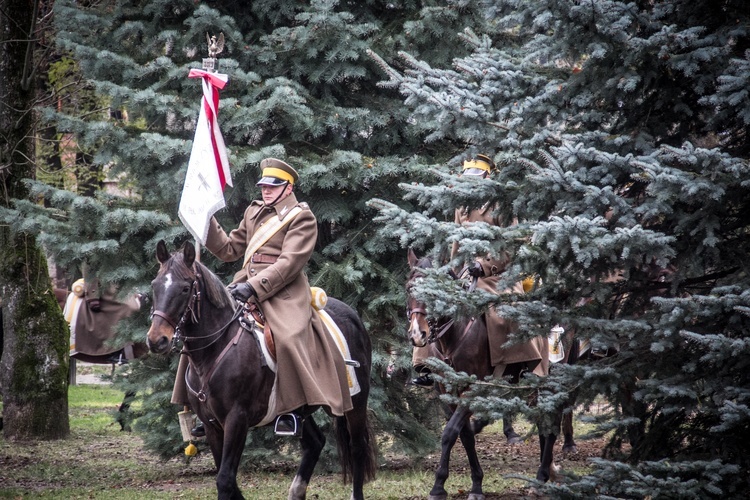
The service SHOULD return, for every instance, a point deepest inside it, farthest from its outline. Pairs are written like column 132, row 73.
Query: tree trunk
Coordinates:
column 34, row 363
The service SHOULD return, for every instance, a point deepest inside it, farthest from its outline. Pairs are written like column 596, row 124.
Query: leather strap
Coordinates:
column 263, row 258
column 266, row 231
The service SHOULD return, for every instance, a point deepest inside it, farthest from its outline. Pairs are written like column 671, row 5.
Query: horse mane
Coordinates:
column 214, row 289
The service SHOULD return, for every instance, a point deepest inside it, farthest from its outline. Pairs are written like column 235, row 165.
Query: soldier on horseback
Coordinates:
column 276, row 238
column 486, row 270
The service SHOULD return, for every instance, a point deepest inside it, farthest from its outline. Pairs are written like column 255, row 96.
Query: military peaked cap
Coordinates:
column 276, row 172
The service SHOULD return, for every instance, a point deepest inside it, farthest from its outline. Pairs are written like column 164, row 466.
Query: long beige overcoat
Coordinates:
column 310, row 369
column 499, row 329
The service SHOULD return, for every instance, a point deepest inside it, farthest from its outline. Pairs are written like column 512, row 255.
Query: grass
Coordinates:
column 98, row 461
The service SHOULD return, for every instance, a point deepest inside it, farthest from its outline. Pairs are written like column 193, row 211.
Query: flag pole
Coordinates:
column 215, row 46
column 209, row 64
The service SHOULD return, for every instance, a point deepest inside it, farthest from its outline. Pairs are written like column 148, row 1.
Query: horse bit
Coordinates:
column 435, row 331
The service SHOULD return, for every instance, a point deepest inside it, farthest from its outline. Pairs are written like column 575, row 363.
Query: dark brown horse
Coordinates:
column 462, row 343
column 230, row 384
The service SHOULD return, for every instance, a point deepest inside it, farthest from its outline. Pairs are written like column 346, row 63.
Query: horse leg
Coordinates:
column 311, row 442
column 355, row 446
column 478, row 424
column 569, row 444
column 215, row 440
column 235, row 432
column 451, row 431
column 477, row 474
column 513, row 371
column 547, row 469
column 123, row 417
column 546, row 466
column 510, row 433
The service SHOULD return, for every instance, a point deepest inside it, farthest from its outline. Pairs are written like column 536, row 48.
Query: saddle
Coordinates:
column 253, row 312
column 255, row 322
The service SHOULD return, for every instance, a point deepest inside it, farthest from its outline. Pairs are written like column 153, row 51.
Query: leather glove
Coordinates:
column 475, row 270
column 242, row 291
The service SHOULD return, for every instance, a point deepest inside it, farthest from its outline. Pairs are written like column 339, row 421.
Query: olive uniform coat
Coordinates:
column 310, row 369
column 498, row 328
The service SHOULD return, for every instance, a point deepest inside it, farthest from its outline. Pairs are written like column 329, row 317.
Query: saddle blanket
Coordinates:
column 338, row 337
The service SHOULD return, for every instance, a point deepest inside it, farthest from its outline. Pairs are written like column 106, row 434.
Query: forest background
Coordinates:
column 620, row 129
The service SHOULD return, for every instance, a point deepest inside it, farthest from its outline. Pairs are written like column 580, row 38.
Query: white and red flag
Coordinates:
column 208, row 167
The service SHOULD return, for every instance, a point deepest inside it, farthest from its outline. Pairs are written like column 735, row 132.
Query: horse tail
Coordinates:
column 356, row 451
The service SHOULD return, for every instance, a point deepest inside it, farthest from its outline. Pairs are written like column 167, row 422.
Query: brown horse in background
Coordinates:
column 462, row 343
column 230, row 385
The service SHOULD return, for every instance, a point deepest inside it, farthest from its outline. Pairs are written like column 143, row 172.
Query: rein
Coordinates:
column 201, row 394
column 193, row 313
column 437, row 334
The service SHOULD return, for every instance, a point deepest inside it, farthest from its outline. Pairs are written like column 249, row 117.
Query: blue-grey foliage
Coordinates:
column 620, row 129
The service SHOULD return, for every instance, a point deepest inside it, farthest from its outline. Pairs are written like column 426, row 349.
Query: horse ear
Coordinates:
column 412, row 257
column 188, row 250
column 162, row 254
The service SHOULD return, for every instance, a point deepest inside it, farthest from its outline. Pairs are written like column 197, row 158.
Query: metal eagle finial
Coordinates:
column 215, row 45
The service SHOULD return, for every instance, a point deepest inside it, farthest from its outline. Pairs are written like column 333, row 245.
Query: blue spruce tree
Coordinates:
column 621, row 130
column 301, row 88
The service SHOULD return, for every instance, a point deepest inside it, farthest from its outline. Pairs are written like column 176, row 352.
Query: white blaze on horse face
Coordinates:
column 167, row 281
column 160, row 329
column 417, row 335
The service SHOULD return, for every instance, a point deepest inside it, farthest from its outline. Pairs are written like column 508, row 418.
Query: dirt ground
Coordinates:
column 126, row 454
column 498, row 460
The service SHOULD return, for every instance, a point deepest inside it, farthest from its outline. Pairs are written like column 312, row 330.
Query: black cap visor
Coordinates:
column 474, row 171
column 271, row 181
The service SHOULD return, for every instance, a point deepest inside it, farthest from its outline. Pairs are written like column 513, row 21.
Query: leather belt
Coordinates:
column 263, row 259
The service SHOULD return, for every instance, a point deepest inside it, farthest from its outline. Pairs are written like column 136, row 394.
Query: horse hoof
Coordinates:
column 532, row 492
column 570, row 449
column 513, row 440
column 475, row 496
column 442, row 496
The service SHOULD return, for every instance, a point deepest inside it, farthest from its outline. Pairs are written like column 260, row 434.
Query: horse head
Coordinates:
column 419, row 328
column 179, row 290
column 175, row 289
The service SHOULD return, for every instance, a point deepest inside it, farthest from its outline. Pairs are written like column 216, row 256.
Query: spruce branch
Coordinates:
column 395, row 78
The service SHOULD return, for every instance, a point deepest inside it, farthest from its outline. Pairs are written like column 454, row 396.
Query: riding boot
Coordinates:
column 288, row 424
column 423, row 380
column 424, row 376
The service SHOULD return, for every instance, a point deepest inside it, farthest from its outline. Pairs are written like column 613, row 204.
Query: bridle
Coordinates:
column 413, row 306
column 192, row 310
column 436, row 330
column 192, row 313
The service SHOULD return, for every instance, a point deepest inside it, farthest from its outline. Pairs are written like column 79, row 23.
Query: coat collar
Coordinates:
column 282, row 207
